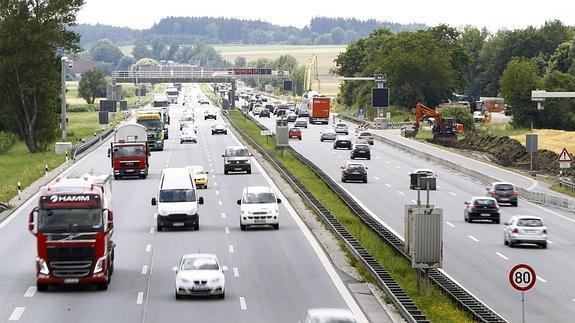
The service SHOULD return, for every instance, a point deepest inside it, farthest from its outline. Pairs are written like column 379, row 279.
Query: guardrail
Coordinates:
column 460, row 295
column 90, row 142
column 375, row 124
column 567, row 183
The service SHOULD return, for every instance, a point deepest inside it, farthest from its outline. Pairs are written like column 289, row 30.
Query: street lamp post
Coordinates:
column 65, row 62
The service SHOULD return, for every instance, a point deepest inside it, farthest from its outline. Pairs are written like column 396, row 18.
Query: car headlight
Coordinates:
column 42, row 266
column 216, row 280
column 248, row 161
column 183, row 281
column 100, row 265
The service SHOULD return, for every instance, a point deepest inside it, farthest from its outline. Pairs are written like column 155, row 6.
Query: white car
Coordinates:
column 188, row 135
column 200, row 274
column 259, row 206
column 328, row 315
column 300, row 123
column 189, row 125
column 525, row 229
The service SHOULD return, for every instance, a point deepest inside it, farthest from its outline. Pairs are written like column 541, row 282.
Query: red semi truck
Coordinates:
column 129, row 151
column 317, row 106
column 73, row 225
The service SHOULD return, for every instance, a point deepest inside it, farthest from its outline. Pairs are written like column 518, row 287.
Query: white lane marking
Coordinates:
column 414, row 201
column 398, row 167
column 227, row 229
column 452, row 193
column 243, row 305
column 17, row 313
column 236, row 272
column 400, row 193
column 550, row 242
column 501, row 255
column 387, row 185
column 333, row 152
column 148, row 247
column 211, row 165
column 30, row 292
column 140, row 298
column 450, row 224
column 216, row 184
column 438, row 186
column 231, row 248
column 223, row 215
column 152, row 229
column 377, row 157
column 554, row 213
column 144, row 269
column 473, row 238
column 220, row 203
column 340, row 156
column 388, row 162
column 217, row 192
column 541, row 279
column 211, row 169
column 213, row 176
column 376, row 178
column 319, row 251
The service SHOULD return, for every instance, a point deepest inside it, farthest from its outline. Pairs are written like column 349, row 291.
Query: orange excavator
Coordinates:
column 443, row 128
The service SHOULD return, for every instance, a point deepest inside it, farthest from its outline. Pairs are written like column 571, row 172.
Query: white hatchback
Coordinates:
column 259, row 206
column 200, row 274
column 525, row 229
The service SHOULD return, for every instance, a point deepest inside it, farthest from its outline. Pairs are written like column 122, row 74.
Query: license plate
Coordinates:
column 504, row 199
column 200, row 288
column 356, row 173
column 485, row 214
column 71, row 280
column 178, row 224
column 362, row 151
column 129, row 171
column 259, row 221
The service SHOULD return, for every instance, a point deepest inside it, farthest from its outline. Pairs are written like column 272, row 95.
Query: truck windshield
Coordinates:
column 151, row 124
column 63, row 220
column 177, row 195
column 129, row 151
column 257, row 198
column 160, row 104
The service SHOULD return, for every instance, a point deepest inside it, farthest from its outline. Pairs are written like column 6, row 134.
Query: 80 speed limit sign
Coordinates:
column 522, row 277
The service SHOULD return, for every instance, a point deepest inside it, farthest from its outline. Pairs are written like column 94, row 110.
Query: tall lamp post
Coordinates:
column 65, row 63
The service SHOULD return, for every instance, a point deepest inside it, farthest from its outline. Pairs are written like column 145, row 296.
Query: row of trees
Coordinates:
column 428, row 66
column 33, row 37
column 188, row 30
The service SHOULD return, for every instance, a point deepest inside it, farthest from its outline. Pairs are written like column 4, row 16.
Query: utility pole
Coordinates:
column 65, row 62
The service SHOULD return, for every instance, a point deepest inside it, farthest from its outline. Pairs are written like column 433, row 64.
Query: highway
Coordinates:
column 474, row 253
column 273, row 276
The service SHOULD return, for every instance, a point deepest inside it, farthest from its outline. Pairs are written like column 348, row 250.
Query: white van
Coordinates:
column 259, row 206
column 177, row 204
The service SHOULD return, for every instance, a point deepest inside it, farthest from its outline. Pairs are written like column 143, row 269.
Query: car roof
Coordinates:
column 202, row 255
column 483, row 198
column 296, row 129
column 343, row 137
column 258, row 189
column 176, row 178
column 236, row 147
column 506, row 183
column 330, row 312
column 349, row 162
column 423, row 170
column 523, row 217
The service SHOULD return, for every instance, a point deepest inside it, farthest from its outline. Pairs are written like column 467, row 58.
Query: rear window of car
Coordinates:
column 355, row 167
column 529, row 223
column 365, row 134
column 365, row 147
column 341, row 125
column 295, row 129
column 504, row 187
column 485, row 202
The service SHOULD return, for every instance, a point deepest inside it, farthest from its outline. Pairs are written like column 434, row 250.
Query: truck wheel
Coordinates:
column 42, row 287
column 178, row 296
column 249, row 171
column 116, row 177
column 225, row 172
column 159, row 227
column 144, row 176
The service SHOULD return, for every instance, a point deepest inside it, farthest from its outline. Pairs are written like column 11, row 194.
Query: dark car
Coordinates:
column 281, row 112
column 264, row 113
column 361, row 151
column 503, row 192
column 342, row 142
column 481, row 208
column 328, row 134
column 294, row 133
column 219, row 128
column 354, row 171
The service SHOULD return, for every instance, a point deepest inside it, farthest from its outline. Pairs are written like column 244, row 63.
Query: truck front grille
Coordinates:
column 71, row 269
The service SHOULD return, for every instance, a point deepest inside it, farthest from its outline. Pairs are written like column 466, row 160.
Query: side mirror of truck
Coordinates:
column 109, row 219
column 32, row 221
column 201, row 200
column 175, row 269
column 239, row 202
column 154, row 201
column 109, row 152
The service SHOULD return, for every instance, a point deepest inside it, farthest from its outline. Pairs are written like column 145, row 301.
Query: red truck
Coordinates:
column 73, row 225
column 318, row 107
column 129, row 151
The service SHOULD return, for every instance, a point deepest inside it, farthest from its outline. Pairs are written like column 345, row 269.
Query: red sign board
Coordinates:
column 522, row 277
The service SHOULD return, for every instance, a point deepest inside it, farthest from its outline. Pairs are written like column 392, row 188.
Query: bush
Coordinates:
column 82, row 108
column 7, row 140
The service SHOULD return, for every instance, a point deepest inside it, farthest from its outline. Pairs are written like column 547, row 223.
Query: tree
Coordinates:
column 337, row 35
column 33, row 34
column 141, row 51
column 105, row 50
column 171, row 55
column 146, row 62
column 91, row 84
column 240, row 61
column 125, row 63
column 560, row 60
column 460, row 114
column 518, row 80
column 158, row 47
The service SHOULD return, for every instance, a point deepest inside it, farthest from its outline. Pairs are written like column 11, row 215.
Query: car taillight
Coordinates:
column 515, row 230
column 493, row 193
column 514, row 193
column 472, row 209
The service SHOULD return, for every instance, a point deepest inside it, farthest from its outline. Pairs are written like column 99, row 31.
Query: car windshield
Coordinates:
column 355, row 167
column 504, row 187
column 425, row 173
column 150, row 124
column 70, row 220
column 295, row 130
column 529, row 223
column 177, row 195
column 199, row 263
column 129, row 151
column 198, row 170
column 236, row 152
column 258, row 198
column 485, row 202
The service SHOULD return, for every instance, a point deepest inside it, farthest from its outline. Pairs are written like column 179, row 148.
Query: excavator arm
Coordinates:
column 423, row 111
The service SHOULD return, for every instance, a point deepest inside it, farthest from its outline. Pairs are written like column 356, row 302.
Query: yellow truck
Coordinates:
column 154, row 124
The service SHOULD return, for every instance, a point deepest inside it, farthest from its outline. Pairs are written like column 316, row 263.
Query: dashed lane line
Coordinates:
column 452, row 193
column 243, row 305
column 473, row 238
column 501, row 255
column 231, row 248
column 414, row 201
column 30, row 292
column 387, row 185
column 17, row 313
column 152, row 229
column 400, row 193
column 220, row 203
column 217, row 192
column 450, row 224
column 148, row 247
column 227, row 229
column 236, row 272
column 223, row 215
column 144, row 269
column 140, row 298
column 376, row 178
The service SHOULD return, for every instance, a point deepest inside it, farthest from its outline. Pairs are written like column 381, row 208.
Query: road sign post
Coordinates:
column 522, row 277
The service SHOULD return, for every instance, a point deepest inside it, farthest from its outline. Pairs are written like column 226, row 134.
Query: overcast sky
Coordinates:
column 493, row 14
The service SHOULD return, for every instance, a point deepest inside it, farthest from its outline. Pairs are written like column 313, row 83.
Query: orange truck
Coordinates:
column 319, row 110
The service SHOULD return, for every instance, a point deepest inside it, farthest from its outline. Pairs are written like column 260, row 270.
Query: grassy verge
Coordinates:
column 436, row 306
column 561, row 189
column 18, row 165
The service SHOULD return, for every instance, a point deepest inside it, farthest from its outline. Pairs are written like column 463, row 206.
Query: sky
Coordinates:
column 493, row 14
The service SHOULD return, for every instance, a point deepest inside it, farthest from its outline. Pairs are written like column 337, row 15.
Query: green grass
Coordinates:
column 561, row 189
column 436, row 306
column 17, row 164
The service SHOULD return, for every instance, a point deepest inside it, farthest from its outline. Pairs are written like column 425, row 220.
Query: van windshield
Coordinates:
column 236, row 152
column 258, row 198
column 178, row 195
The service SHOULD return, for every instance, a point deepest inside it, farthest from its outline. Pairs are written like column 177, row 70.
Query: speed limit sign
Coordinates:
column 522, row 277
